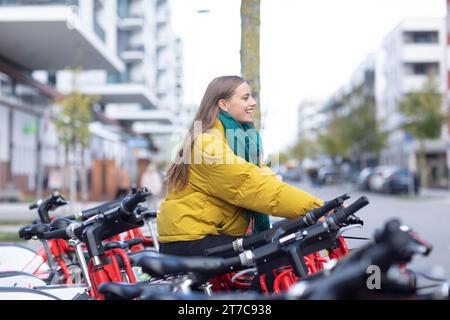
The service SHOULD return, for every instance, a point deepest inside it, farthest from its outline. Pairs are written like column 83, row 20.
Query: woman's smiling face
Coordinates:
column 241, row 105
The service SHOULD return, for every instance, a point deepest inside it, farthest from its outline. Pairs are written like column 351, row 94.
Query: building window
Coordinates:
column 422, row 68
column 421, row 37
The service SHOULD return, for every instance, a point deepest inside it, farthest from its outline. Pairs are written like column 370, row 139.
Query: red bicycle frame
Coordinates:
column 284, row 276
column 315, row 262
column 58, row 249
column 110, row 272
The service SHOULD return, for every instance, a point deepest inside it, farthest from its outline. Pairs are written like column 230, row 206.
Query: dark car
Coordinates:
column 327, row 175
column 401, row 180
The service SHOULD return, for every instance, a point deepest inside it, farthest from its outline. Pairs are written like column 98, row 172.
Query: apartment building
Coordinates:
column 125, row 53
column 412, row 51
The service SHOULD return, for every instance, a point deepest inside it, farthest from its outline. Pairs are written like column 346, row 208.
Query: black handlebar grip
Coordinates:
column 24, row 233
column 56, row 234
column 131, row 201
column 357, row 205
column 341, row 215
column 33, row 206
column 88, row 213
column 219, row 249
column 314, row 215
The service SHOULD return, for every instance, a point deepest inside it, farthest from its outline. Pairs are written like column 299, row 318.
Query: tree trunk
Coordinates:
column 250, row 23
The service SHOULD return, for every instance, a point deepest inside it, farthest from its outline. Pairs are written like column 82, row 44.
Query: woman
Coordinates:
column 217, row 185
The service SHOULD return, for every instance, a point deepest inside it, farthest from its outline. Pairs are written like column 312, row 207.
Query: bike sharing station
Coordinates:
column 109, row 252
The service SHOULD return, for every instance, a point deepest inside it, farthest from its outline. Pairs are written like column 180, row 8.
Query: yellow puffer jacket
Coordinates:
column 220, row 185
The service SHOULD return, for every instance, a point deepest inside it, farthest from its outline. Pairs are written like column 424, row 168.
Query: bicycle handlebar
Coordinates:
column 56, row 234
column 130, row 202
column 288, row 226
column 54, row 201
column 340, row 216
column 349, row 275
column 88, row 213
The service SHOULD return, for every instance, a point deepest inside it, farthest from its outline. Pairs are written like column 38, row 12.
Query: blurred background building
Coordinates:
column 122, row 51
column 415, row 49
column 412, row 52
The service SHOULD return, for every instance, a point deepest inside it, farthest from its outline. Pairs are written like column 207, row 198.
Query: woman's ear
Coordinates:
column 222, row 105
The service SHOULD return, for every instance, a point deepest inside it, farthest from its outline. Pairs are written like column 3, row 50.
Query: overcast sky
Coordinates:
column 308, row 48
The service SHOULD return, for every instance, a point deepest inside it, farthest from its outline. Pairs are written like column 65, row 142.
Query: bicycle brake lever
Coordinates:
column 347, row 228
column 353, row 219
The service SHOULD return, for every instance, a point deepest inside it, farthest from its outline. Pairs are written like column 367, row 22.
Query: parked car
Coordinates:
column 292, row 174
column 364, row 177
column 393, row 179
column 327, row 175
column 399, row 181
column 379, row 175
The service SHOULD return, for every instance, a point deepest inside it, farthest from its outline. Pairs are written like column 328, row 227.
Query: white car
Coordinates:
column 379, row 175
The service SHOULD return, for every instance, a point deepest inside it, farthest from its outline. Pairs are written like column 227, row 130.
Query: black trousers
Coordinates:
column 197, row 248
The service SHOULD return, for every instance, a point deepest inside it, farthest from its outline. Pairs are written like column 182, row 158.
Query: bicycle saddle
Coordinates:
column 160, row 265
column 119, row 291
column 128, row 291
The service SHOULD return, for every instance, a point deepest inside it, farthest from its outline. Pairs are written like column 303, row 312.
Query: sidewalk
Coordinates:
column 438, row 195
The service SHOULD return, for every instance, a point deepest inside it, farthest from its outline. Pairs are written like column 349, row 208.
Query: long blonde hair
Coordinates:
column 219, row 88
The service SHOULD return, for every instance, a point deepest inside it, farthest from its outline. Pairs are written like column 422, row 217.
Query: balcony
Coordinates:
column 124, row 92
column 129, row 23
column 133, row 53
column 53, row 38
column 156, row 128
column 422, row 52
column 161, row 116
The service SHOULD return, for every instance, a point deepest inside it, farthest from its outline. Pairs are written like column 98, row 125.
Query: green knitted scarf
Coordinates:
column 245, row 141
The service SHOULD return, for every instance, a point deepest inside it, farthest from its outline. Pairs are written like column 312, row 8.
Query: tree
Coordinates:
column 73, row 116
column 333, row 142
column 360, row 131
column 250, row 59
column 423, row 118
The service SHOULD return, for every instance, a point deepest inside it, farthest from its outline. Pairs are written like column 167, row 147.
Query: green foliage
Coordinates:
column 333, row 142
column 360, row 129
column 423, row 119
column 355, row 133
column 283, row 157
column 422, row 111
column 10, row 237
column 73, row 118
